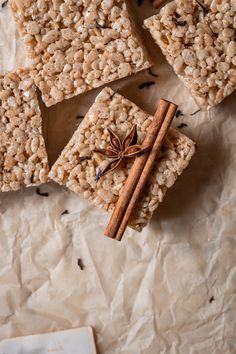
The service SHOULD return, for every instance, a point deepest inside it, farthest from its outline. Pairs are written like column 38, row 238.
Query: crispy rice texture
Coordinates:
column 78, row 45
column 199, row 42
column 23, row 157
column 77, row 166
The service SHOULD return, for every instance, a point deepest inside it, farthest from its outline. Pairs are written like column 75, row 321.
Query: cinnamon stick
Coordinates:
column 136, row 171
column 147, row 170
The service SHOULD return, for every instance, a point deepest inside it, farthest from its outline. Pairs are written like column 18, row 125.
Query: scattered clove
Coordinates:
column 41, row 193
column 80, row 264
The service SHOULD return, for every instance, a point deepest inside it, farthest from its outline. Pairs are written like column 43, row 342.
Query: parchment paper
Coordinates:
column 170, row 289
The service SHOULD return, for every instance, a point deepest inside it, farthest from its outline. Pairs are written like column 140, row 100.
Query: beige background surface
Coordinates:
column 170, row 289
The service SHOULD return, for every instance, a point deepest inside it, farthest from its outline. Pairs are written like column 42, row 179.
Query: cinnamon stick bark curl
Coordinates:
column 136, row 171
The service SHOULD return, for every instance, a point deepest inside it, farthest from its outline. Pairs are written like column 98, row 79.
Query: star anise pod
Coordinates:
column 121, row 150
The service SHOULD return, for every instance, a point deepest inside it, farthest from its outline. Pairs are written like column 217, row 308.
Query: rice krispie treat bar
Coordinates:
column 23, row 157
column 198, row 40
column 78, row 45
column 79, row 167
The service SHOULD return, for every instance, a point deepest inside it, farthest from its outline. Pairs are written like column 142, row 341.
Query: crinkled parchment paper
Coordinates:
column 170, row 289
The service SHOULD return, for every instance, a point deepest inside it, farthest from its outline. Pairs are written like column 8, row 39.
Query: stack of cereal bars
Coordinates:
column 78, row 166
column 77, row 45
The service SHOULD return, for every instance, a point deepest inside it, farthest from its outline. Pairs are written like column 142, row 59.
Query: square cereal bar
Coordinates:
column 78, row 165
column 23, row 157
column 198, row 40
column 78, row 45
